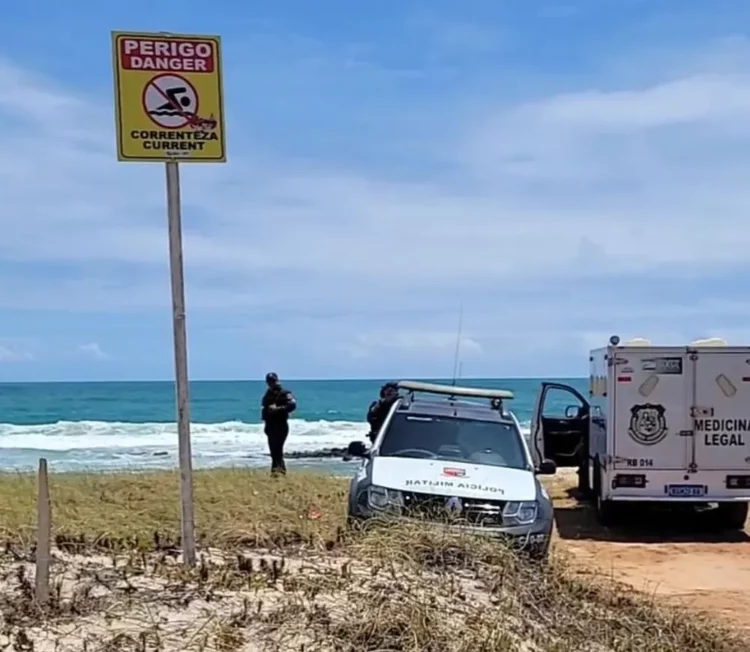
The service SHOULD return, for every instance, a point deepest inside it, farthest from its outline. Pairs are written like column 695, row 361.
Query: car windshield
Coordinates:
column 454, row 439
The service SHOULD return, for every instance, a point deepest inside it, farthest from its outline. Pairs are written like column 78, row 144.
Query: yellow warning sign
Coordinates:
column 168, row 97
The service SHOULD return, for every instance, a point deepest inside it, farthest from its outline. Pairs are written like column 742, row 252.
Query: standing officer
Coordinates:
column 378, row 410
column 278, row 403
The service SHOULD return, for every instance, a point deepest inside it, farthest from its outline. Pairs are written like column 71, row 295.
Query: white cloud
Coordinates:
column 695, row 99
column 12, row 351
column 458, row 37
column 338, row 222
column 369, row 344
column 92, row 350
column 587, row 186
column 11, row 355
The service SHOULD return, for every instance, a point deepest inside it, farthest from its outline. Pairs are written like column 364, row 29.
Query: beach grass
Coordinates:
column 232, row 507
column 279, row 571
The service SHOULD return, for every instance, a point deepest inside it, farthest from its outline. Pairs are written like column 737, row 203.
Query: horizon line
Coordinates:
column 290, row 379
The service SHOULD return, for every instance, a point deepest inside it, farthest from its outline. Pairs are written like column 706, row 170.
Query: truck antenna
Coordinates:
column 458, row 343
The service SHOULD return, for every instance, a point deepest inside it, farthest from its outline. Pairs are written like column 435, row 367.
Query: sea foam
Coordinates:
column 104, row 445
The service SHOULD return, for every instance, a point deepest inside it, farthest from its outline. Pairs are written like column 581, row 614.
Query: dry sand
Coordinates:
column 252, row 602
column 142, row 603
column 706, row 571
column 145, row 602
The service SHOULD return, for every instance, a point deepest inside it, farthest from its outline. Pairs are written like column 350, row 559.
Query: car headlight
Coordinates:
column 384, row 498
column 520, row 513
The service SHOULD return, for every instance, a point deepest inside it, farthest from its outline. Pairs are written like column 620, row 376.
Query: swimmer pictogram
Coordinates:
column 171, row 101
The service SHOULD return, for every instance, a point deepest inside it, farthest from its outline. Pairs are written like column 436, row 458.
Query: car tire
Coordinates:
column 731, row 516
column 354, row 523
column 539, row 554
column 605, row 510
column 537, row 557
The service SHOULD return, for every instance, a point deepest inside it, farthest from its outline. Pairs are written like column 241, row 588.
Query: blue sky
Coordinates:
column 564, row 169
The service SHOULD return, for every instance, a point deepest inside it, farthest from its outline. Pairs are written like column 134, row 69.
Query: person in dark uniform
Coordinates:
column 378, row 410
column 278, row 403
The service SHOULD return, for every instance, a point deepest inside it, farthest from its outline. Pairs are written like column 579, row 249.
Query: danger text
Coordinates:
column 169, row 54
column 723, row 432
column 175, row 141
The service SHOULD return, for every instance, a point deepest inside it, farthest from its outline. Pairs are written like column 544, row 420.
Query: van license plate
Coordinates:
column 686, row 490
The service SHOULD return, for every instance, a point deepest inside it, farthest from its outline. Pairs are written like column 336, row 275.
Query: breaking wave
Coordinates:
column 104, row 445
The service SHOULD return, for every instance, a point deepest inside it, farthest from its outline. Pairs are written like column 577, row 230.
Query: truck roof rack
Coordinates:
column 454, row 391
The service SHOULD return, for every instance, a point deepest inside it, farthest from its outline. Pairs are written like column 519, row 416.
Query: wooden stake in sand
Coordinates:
column 43, row 535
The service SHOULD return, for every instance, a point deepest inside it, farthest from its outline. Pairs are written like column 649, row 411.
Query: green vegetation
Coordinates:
column 279, row 571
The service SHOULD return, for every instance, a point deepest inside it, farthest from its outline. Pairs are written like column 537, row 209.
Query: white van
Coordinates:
column 661, row 424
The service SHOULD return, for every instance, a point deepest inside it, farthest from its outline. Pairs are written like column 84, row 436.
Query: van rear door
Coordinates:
column 721, row 420
column 652, row 395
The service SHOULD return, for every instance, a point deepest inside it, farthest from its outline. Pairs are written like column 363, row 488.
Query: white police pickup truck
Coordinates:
column 447, row 451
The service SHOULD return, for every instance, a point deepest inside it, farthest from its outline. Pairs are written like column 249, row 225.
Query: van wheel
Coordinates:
column 731, row 516
column 606, row 510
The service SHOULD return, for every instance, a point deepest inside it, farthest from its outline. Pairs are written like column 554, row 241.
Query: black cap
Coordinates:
column 272, row 377
column 388, row 388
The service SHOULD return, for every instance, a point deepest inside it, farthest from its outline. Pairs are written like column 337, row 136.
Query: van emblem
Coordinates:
column 648, row 425
column 453, row 472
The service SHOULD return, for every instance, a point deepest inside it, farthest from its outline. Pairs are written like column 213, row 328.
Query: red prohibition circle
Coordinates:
column 186, row 82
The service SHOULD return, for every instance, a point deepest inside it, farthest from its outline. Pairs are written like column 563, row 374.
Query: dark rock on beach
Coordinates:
column 346, row 454
column 321, row 453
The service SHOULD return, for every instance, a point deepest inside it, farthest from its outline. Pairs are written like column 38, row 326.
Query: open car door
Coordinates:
column 560, row 425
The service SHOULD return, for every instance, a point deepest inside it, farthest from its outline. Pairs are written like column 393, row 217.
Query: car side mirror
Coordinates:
column 547, row 467
column 357, row 449
column 572, row 412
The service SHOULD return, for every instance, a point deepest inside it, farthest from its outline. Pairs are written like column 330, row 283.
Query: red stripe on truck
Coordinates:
column 624, row 379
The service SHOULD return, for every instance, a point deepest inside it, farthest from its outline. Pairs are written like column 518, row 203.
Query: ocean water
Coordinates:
column 131, row 425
